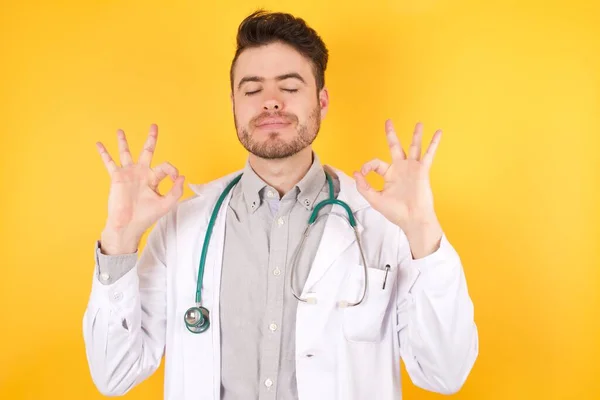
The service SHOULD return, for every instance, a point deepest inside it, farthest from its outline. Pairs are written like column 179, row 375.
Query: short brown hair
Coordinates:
column 262, row 27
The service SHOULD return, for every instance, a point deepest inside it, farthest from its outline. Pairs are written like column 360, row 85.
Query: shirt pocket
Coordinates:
column 365, row 321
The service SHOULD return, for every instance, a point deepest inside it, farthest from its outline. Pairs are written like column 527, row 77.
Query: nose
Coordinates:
column 272, row 105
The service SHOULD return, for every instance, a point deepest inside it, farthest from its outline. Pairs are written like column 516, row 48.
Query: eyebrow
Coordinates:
column 254, row 78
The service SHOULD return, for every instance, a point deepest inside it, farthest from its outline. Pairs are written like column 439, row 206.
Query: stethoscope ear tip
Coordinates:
column 342, row 304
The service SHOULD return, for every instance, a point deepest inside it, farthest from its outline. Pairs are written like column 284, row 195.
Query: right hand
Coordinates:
column 134, row 203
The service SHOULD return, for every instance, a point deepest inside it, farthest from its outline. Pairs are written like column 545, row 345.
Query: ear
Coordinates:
column 232, row 103
column 324, row 102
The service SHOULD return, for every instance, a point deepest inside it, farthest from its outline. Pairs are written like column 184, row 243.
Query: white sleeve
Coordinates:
column 437, row 336
column 124, row 323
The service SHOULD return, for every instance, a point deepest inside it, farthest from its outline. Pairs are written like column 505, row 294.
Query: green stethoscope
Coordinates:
column 197, row 318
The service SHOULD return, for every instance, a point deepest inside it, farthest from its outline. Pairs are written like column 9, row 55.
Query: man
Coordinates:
column 277, row 316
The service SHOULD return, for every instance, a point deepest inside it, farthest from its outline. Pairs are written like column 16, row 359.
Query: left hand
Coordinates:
column 406, row 198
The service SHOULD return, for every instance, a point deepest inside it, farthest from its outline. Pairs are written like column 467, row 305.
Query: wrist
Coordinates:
column 114, row 242
column 424, row 238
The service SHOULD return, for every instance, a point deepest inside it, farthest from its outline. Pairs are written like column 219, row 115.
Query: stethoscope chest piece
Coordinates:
column 196, row 319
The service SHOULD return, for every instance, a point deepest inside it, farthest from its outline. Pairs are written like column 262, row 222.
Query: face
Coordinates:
column 276, row 107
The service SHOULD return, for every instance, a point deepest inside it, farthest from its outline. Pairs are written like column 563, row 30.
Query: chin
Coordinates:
column 273, row 138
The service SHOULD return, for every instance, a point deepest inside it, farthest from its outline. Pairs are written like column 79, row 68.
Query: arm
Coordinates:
column 125, row 320
column 437, row 334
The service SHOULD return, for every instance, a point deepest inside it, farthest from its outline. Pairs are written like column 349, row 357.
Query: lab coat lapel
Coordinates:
column 204, row 358
column 215, row 259
column 338, row 235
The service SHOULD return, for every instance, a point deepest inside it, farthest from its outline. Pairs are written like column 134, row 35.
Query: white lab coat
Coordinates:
column 424, row 315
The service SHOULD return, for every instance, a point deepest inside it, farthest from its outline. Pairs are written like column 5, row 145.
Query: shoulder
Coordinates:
column 202, row 200
column 211, row 187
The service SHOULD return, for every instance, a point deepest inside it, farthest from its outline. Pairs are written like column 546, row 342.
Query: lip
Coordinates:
column 269, row 127
column 273, row 122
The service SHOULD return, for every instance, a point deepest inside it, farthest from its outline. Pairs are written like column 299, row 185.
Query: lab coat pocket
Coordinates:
column 364, row 322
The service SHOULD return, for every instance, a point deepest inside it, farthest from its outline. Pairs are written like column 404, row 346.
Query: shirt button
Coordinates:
column 268, row 383
column 117, row 296
column 270, row 194
column 273, row 327
column 104, row 276
column 281, row 221
column 276, row 271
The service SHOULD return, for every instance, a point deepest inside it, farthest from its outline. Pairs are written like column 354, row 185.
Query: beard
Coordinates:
column 274, row 146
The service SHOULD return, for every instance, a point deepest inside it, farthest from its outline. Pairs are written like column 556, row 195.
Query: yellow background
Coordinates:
column 514, row 84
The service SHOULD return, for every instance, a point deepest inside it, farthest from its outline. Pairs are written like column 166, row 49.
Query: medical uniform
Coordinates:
column 262, row 342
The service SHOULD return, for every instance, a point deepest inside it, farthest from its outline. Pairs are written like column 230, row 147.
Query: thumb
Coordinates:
column 366, row 190
column 176, row 191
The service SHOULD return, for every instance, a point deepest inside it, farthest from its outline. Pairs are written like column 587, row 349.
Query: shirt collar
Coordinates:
column 311, row 184
column 306, row 190
column 252, row 186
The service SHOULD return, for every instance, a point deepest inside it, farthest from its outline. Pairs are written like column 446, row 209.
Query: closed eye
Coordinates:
column 258, row 90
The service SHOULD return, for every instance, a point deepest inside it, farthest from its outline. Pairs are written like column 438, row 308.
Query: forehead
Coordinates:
column 271, row 60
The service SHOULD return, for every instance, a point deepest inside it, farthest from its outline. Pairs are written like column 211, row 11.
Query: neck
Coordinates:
column 283, row 174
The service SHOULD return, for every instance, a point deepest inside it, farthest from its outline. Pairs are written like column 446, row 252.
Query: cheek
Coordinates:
column 244, row 111
column 307, row 111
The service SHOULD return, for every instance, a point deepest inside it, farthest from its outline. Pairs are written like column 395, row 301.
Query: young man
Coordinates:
column 261, row 310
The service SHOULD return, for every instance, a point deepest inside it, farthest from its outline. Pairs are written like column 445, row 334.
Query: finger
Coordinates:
column 414, row 152
column 164, row 169
column 149, row 146
column 175, row 193
column 109, row 163
column 393, row 141
column 124, row 152
column 380, row 167
column 430, row 153
column 367, row 191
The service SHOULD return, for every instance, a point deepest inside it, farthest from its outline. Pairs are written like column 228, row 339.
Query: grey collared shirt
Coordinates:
column 258, row 309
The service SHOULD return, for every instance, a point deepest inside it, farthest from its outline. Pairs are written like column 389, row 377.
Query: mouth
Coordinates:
column 273, row 123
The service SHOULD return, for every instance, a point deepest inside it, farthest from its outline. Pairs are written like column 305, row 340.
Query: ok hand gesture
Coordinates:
column 134, row 203
column 406, row 198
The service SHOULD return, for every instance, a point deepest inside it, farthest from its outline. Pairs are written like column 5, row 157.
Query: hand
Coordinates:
column 134, row 203
column 406, row 198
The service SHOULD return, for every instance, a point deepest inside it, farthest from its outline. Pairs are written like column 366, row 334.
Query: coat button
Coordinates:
column 268, row 383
